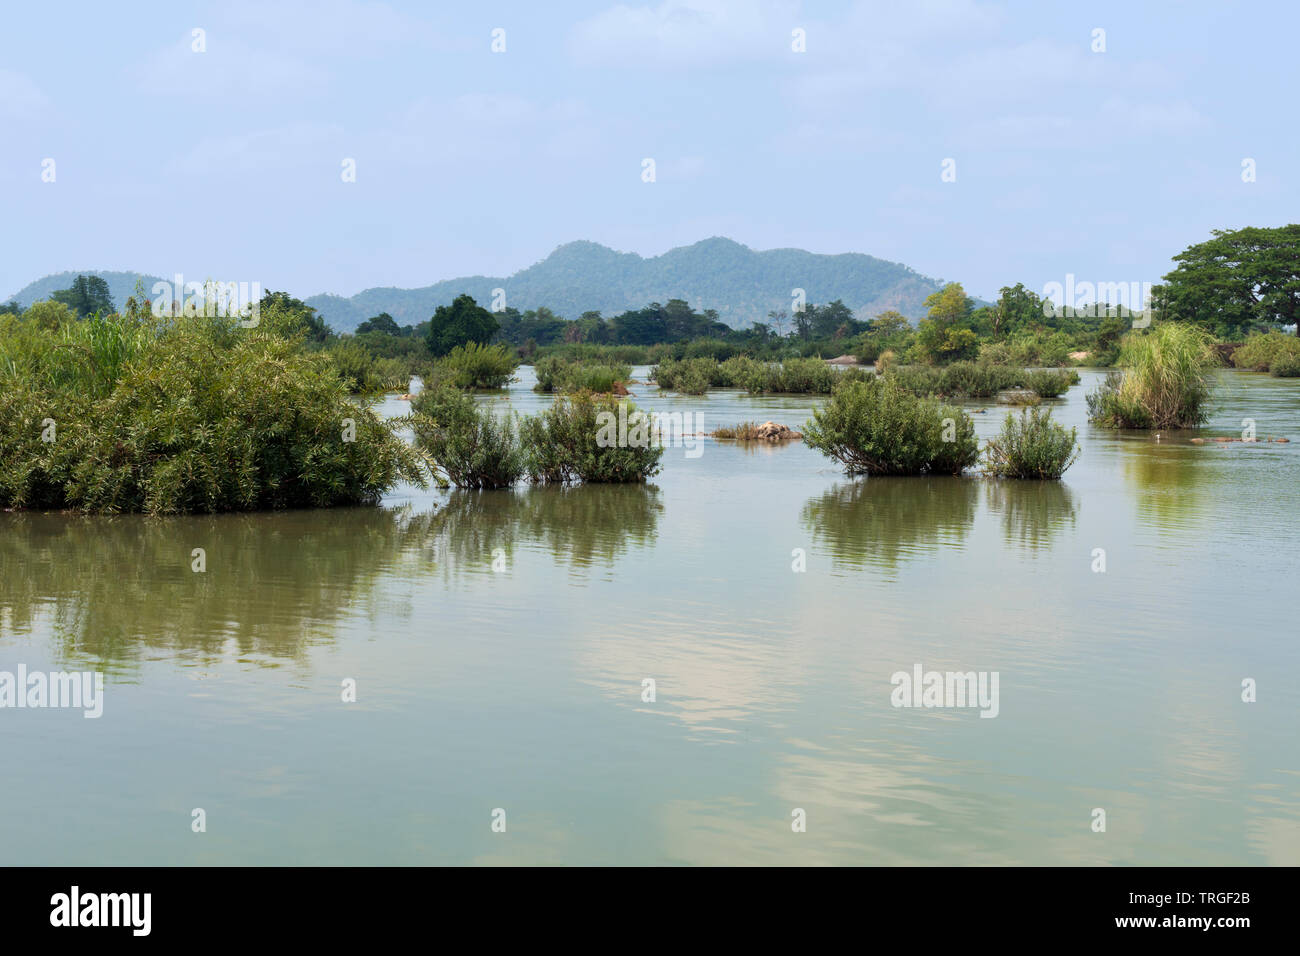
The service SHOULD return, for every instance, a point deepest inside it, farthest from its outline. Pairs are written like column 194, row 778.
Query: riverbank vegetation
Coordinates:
column 1272, row 352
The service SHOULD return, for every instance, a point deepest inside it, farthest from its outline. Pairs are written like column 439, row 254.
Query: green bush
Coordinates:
column 1285, row 366
column 473, row 365
column 578, row 439
column 364, row 372
column 1031, row 446
column 876, row 427
column 186, row 415
column 801, row 376
column 1049, row 383
column 1164, row 381
column 555, row 374
column 468, row 444
column 1261, row 352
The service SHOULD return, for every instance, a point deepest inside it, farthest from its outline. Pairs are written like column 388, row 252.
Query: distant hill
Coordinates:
column 121, row 285
column 742, row 284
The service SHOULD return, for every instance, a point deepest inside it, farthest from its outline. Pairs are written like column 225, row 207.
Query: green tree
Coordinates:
column 461, row 322
column 87, row 296
column 1241, row 279
column 945, row 334
column 281, row 313
column 383, row 323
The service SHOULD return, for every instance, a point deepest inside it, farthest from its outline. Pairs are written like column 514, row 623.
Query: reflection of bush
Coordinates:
column 1032, row 511
column 882, row 521
column 1170, row 483
column 115, row 587
column 579, row 524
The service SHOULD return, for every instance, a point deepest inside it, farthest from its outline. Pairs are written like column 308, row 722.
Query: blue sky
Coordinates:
column 227, row 163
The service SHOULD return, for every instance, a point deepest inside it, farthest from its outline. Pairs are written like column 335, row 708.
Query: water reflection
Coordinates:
column 1033, row 512
column 113, row 588
column 881, row 522
column 1170, row 482
column 581, row 525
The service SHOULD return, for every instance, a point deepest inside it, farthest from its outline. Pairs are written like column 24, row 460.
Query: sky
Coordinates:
column 129, row 141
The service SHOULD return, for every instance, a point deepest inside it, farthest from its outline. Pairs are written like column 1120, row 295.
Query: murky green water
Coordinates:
column 521, row 688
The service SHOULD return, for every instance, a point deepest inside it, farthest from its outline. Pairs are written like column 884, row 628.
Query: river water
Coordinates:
column 500, row 643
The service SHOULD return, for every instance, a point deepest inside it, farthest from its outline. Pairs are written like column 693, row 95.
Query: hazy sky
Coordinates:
column 227, row 163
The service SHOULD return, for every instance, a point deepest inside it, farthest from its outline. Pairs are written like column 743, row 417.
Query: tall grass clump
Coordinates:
column 1163, row 381
column 474, row 365
column 1031, row 446
column 875, row 427
column 467, row 443
column 590, row 438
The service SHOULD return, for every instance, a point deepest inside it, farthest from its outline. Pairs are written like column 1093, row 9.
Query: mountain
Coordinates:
column 121, row 285
column 743, row 285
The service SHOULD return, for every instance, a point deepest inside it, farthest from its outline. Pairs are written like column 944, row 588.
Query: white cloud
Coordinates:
column 699, row 32
column 19, row 96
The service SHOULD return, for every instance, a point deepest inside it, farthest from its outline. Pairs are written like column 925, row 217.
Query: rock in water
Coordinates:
column 773, row 431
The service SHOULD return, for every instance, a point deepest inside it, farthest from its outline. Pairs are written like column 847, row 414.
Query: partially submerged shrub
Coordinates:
column 467, row 442
column 200, row 417
column 582, row 437
column 1050, row 383
column 555, row 374
column 592, row 438
column 473, row 365
column 1285, row 366
column 794, row 376
column 366, row 373
column 745, row 431
column 1164, row 382
column 1031, row 446
column 876, row 427
column 1260, row 352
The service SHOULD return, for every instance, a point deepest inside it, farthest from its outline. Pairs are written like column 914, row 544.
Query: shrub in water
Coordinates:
column 1031, row 446
column 876, row 427
column 201, row 416
column 1285, row 366
column 467, row 442
column 478, row 366
column 594, row 438
column 364, row 372
column 1261, row 352
column 1050, row 383
column 555, row 374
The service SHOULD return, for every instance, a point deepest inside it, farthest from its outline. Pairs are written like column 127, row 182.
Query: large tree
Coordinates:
column 382, row 323
column 1240, row 280
column 461, row 322
column 87, row 296
column 945, row 334
column 282, row 313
